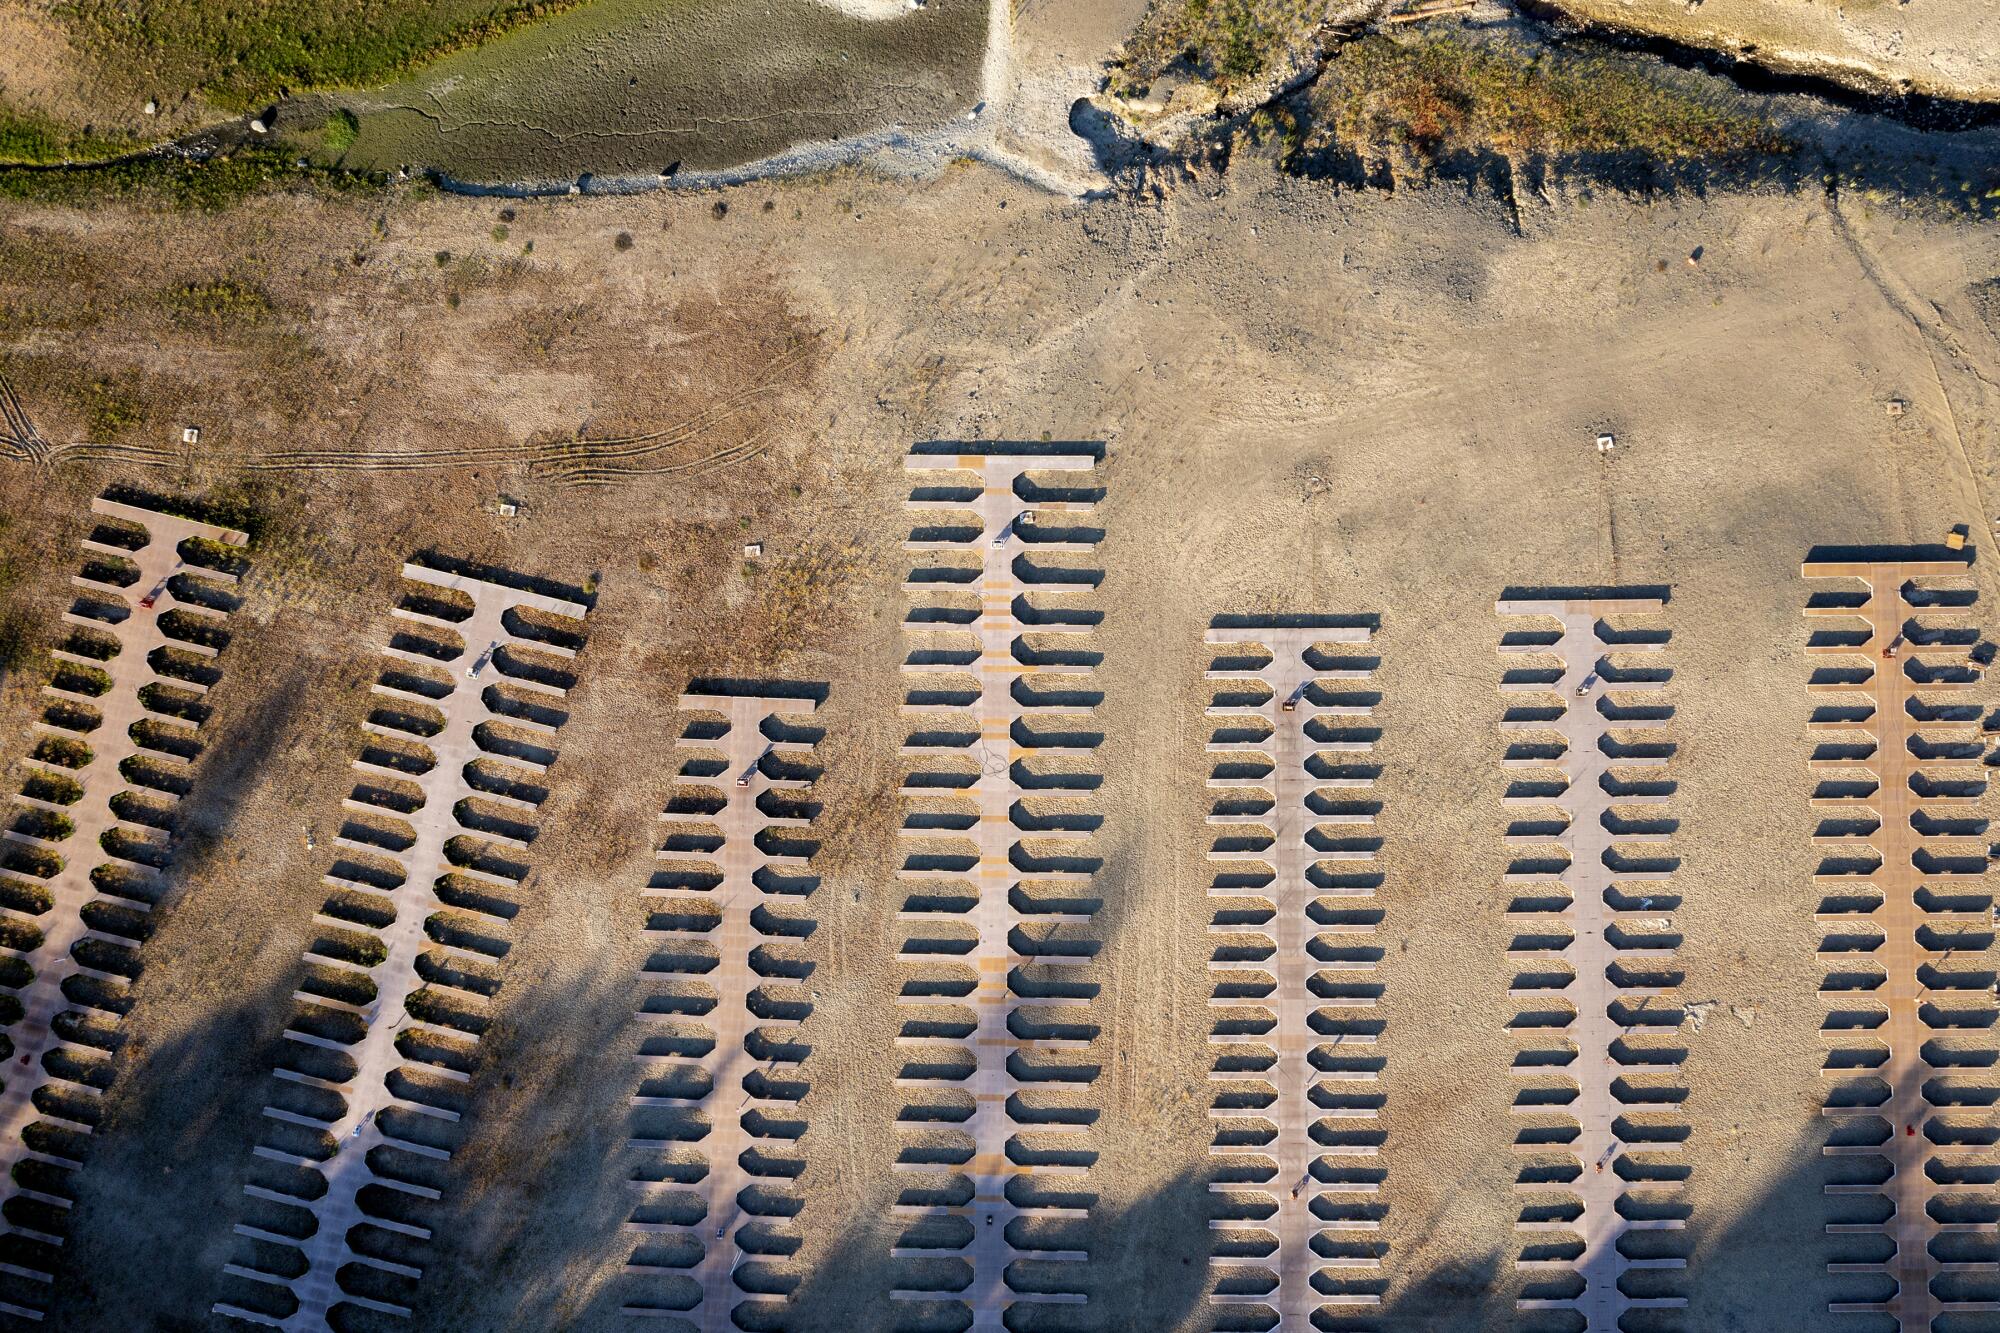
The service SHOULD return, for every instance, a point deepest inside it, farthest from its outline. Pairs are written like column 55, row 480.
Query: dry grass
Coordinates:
column 116, row 330
column 1225, row 43
column 1439, row 95
column 802, row 596
column 216, row 305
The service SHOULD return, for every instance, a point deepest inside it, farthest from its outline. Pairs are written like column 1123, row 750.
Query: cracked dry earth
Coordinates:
column 1360, row 405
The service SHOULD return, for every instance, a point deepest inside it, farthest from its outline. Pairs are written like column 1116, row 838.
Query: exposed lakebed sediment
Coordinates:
column 623, row 94
column 637, row 87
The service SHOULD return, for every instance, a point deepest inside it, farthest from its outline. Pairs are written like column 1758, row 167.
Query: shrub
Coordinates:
column 120, row 882
column 214, row 555
column 229, row 505
column 107, row 569
column 148, row 734
column 143, row 772
column 127, row 846
column 63, row 751
column 1444, row 94
column 133, row 808
column 200, row 630
column 217, row 303
column 30, row 860
column 117, row 532
column 72, row 717
column 361, row 948
column 160, row 699
column 1227, row 42
column 44, row 824
column 92, row 681
column 30, row 899
column 89, row 643
column 52, row 787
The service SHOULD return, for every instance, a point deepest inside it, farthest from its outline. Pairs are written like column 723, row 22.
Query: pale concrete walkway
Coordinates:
column 62, row 926
column 729, row 1104
column 473, row 671
column 1601, row 939
column 1315, row 1187
column 998, row 723
column 1887, row 686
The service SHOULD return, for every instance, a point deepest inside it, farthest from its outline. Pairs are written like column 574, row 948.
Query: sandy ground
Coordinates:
column 1053, row 58
column 1943, row 47
column 1309, row 402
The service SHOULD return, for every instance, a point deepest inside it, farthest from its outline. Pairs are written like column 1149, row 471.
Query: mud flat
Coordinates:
column 636, row 87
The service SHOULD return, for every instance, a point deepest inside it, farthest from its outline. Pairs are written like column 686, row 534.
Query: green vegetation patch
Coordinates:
column 247, row 53
column 1226, row 43
column 44, row 824
column 342, row 128
column 171, row 181
column 1439, row 95
column 217, row 303
column 113, row 404
column 65, row 751
column 93, row 681
column 51, row 787
column 29, row 138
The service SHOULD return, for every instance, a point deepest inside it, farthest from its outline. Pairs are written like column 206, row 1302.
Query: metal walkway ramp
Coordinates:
column 1295, row 1072
column 1594, row 958
column 734, row 854
column 85, row 858
column 1898, row 781
column 998, row 876
column 382, row 1044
